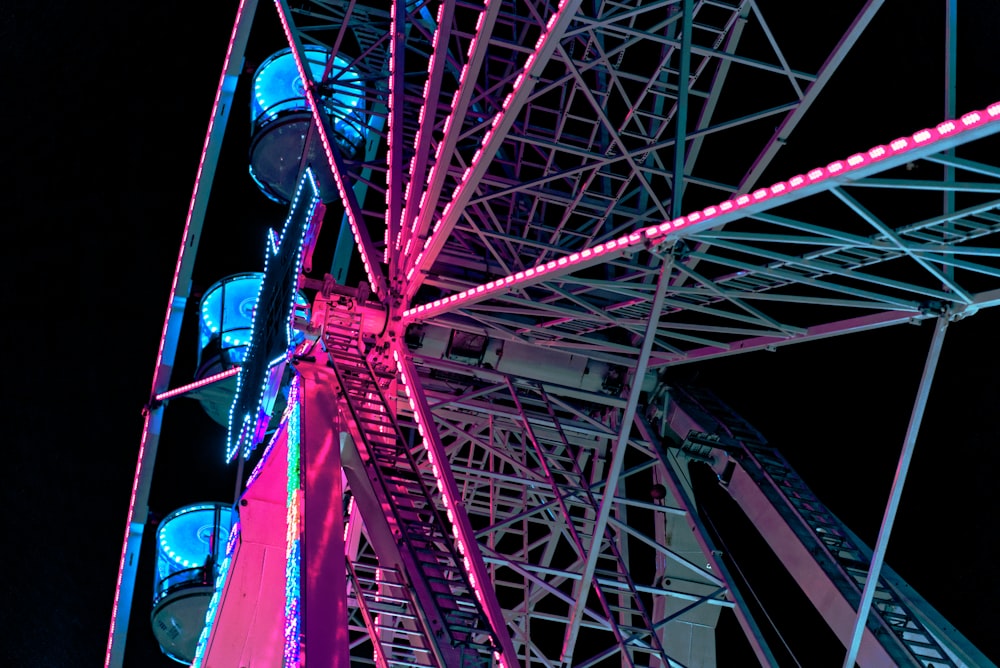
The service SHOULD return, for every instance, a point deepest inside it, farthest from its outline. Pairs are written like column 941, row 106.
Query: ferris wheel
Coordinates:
column 444, row 380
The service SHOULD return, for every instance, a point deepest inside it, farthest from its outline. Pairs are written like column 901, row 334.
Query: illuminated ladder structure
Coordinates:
column 771, row 493
column 481, row 461
column 418, row 556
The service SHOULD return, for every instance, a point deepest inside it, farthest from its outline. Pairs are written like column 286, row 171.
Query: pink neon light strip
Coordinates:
column 166, row 328
column 450, row 495
column 390, row 156
column 432, row 89
column 183, row 389
column 361, row 239
column 420, row 216
column 655, row 233
column 128, row 531
column 434, row 239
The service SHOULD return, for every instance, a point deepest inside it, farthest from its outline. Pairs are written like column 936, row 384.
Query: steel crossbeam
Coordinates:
column 759, row 280
column 531, row 467
column 589, row 54
column 839, row 555
column 519, row 208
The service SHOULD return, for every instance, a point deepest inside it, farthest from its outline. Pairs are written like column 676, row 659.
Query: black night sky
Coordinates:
column 103, row 120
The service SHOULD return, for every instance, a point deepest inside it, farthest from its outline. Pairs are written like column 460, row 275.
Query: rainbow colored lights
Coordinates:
column 293, row 550
column 657, row 233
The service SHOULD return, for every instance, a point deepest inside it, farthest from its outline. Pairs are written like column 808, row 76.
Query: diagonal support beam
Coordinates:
column 894, row 238
column 787, row 126
column 428, row 112
column 617, row 459
column 909, row 442
column 438, row 457
column 922, row 144
column 460, row 105
column 394, row 150
column 494, row 137
column 352, row 207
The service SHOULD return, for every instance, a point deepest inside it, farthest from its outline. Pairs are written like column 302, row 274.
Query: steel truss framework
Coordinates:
column 518, row 212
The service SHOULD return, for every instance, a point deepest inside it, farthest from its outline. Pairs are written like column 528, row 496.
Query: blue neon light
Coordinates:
column 185, row 536
column 226, row 315
column 249, row 417
column 278, row 90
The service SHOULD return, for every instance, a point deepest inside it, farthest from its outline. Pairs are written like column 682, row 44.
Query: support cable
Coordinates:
column 732, row 558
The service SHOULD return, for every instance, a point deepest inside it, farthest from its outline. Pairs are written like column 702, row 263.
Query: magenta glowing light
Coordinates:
column 655, row 233
column 391, row 156
column 431, row 91
column 128, row 525
column 293, row 536
column 279, row 433
column 197, row 180
column 487, row 147
column 190, row 387
column 363, row 242
column 420, row 217
column 389, row 130
column 165, row 335
column 461, row 528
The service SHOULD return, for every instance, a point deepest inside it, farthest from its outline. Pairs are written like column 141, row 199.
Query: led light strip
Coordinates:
column 278, row 433
column 197, row 179
column 361, row 238
column 347, row 517
column 248, row 423
column 166, row 326
column 213, row 604
column 484, row 144
column 391, row 104
column 657, row 233
column 190, row 387
column 293, row 537
column 455, row 101
column 431, row 93
column 451, row 497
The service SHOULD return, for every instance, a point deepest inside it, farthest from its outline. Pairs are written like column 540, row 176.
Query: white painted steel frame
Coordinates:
column 535, row 469
column 518, row 133
column 180, row 291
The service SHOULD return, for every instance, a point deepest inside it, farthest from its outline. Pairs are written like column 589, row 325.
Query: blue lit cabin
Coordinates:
column 280, row 117
column 225, row 319
column 190, row 542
